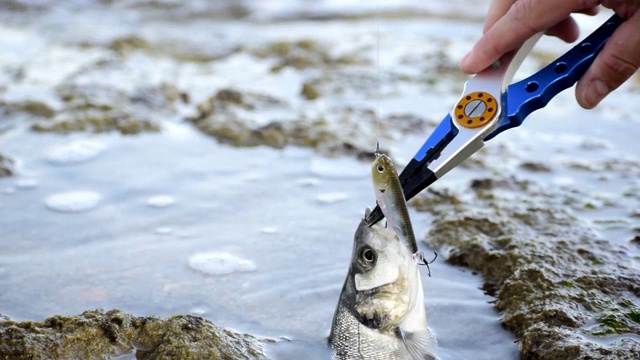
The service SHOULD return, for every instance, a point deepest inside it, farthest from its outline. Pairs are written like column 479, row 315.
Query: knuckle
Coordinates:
column 617, row 67
column 523, row 13
column 521, row 10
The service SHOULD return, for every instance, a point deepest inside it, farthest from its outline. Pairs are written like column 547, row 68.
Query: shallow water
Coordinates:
column 256, row 239
column 260, row 205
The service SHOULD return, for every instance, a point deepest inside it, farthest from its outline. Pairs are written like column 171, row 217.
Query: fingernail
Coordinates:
column 594, row 93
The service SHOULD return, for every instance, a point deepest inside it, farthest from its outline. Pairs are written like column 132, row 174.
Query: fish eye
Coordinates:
column 367, row 256
column 380, row 168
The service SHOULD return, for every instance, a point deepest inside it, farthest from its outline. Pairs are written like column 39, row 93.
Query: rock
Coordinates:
column 98, row 335
column 304, row 54
column 32, row 107
column 309, row 91
column 102, row 109
column 556, row 282
column 127, row 44
column 7, row 166
column 535, row 166
column 238, row 118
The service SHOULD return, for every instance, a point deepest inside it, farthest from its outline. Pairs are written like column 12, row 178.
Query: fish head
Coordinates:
column 384, row 276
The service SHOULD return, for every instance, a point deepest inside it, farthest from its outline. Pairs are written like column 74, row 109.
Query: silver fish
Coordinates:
column 381, row 312
column 391, row 200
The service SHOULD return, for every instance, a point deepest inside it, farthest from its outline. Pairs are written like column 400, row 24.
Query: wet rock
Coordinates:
column 177, row 49
column 431, row 198
column 535, row 166
column 102, row 109
column 127, row 44
column 556, row 283
column 309, row 91
column 252, row 119
column 98, row 335
column 7, row 166
column 304, row 54
column 20, row 5
column 32, row 107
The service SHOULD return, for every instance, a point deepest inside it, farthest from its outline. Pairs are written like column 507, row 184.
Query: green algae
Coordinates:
column 98, row 335
column 550, row 273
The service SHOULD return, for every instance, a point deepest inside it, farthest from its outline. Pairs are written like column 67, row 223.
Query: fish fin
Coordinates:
column 421, row 345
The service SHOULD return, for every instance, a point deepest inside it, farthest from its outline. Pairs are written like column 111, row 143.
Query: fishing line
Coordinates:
column 378, row 70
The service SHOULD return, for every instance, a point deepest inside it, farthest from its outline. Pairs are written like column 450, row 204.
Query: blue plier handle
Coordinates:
column 489, row 106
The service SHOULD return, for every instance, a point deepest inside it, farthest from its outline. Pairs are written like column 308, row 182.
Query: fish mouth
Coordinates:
column 374, row 322
column 370, row 292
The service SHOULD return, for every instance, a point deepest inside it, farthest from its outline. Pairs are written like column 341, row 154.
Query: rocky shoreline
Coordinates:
column 98, row 334
column 561, row 289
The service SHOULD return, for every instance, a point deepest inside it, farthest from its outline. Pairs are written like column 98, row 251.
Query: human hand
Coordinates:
column 510, row 23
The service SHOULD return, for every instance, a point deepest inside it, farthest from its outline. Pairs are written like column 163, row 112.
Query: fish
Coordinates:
column 381, row 312
column 391, row 200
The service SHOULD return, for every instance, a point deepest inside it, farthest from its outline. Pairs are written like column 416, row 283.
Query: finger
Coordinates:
column 497, row 9
column 617, row 62
column 591, row 11
column 524, row 19
column 566, row 30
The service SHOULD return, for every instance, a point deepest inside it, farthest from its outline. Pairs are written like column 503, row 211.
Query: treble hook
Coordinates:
column 424, row 261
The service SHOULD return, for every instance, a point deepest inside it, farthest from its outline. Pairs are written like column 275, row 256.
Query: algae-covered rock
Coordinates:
column 177, row 49
column 103, row 109
column 252, row 119
column 303, row 54
column 99, row 335
column 31, row 107
column 556, row 282
column 127, row 44
column 309, row 91
column 6, row 166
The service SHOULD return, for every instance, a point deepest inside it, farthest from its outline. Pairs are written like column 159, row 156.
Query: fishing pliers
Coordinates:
column 489, row 106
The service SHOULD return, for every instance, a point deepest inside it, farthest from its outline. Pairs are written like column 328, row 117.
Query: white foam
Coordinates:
column 331, row 198
column 161, row 201
column 201, row 311
column 270, row 230
column 563, row 180
column 220, row 263
column 26, row 183
column 73, row 201
column 75, row 151
column 164, row 230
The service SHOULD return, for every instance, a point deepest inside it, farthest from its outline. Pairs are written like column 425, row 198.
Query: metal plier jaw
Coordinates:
column 489, row 106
